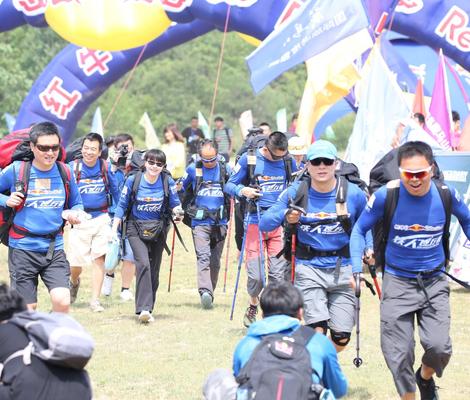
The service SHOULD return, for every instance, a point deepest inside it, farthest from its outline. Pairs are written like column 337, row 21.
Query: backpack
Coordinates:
column 16, row 147
column 7, row 214
column 226, row 133
column 280, row 368
column 386, row 172
column 55, row 338
column 104, row 175
column 188, row 202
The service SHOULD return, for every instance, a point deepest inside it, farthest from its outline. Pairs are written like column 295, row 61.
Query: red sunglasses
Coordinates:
column 419, row 174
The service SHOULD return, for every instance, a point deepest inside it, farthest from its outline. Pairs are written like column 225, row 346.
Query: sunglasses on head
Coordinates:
column 209, row 160
column 326, row 161
column 419, row 174
column 157, row 163
column 44, row 148
column 274, row 156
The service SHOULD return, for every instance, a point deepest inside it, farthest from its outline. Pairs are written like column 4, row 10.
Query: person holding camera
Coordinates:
column 120, row 159
column 147, row 201
column 88, row 242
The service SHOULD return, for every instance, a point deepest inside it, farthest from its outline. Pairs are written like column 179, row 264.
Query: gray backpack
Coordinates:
column 55, row 338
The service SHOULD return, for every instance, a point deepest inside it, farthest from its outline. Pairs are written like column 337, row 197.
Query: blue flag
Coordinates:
column 319, row 25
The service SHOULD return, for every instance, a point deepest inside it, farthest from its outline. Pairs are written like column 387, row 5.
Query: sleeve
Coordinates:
column 461, row 211
column 371, row 214
column 361, row 203
column 333, row 378
column 240, row 172
column 124, row 198
column 275, row 215
column 187, row 177
column 75, row 200
column 6, row 183
column 174, row 199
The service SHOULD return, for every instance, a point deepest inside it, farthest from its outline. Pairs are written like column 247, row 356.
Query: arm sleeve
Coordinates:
column 75, row 201
column 187, row 178
column 6, row 183
column 371, row 214
column 240, row 172
column 174, row 199
column 333, row 378
column 461, row 211
column 360, row 206
column 275, row 215
column 124, row 198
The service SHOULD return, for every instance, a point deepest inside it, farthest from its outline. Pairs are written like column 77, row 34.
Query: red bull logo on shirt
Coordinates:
column 418, row 228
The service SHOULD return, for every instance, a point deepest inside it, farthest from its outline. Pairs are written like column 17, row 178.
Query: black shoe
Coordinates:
column 427, row 388
column 250, row 315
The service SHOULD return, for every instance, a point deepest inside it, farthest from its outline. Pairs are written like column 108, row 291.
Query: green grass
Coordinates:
column 170, row 358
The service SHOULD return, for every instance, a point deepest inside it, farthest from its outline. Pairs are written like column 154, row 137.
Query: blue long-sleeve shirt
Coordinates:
column 271, row 177
column 324, row 359
column 92, row 188
column 210, row 195
column 42, row 210
column 321, row 206
column 415, row 238
column 149, row 198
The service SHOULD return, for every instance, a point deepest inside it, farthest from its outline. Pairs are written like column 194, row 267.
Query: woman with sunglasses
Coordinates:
column 147, row 201
column 322, row 261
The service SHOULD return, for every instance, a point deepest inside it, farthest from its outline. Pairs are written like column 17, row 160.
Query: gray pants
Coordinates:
column 208, row 246
column 402, row 300
column 327, row 296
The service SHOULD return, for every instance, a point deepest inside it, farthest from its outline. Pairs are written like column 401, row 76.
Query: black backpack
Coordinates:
column 188, row 202
column 386, row 172
column 280, row 368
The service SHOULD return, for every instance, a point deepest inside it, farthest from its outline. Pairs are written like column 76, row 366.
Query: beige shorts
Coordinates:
column 88, row 241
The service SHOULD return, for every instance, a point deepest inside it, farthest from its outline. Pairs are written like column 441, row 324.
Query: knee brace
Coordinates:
column 320, row 324
column 340, row 338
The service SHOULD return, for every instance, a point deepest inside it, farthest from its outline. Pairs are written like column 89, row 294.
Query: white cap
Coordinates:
column 297, row 146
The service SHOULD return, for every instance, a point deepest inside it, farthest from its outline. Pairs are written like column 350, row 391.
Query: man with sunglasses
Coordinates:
column 414, row 285
column 36, row 241
column 269, row 176
column 208, row 209
column 323, row 263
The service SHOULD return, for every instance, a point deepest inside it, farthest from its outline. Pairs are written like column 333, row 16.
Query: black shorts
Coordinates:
column 26, row 266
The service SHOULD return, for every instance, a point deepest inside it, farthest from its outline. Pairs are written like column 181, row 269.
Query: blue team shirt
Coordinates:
column 149, row 198
column 42, row 211
column 415, row 238
column 271, row 179
column 210, row 194
column 92, row 188
column 321, row 206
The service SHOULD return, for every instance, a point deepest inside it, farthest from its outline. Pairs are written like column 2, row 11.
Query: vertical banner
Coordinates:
column 281, row 120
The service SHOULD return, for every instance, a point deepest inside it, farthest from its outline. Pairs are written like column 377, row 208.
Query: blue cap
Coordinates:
column 322, row 149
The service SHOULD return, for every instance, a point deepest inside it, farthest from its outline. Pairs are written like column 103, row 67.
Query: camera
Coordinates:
column 254, row 131
column 123, row 151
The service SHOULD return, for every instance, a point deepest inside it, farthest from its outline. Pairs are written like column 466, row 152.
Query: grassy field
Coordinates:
column 170, row 358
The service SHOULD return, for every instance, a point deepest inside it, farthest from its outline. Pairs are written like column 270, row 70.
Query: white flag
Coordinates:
column 151, row 138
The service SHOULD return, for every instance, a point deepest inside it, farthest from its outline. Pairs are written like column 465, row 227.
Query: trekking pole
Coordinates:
column 240, row 262
column 261, row 247
column 171, row 257
column 229, row 231
column 358, row 360
column 373, row 274
column 294, row 238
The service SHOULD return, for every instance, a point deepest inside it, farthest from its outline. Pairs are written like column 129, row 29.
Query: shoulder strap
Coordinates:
column 305, row 332
column 78, row 170
column 446, row 198
column 134, row 190
column 23, row 177
column 104, row 173
column 65, row 174
column 391, row 201
column 228, row 136
column 288, row 168
column 341, row 204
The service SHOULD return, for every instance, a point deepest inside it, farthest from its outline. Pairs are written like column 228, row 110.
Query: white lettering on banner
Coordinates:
column 57, row 100
column 91, row 61
column 436, row 132
column 456, row 176
column 409, row 6
column 454, row 29
column 291, row 10
column 421, row 241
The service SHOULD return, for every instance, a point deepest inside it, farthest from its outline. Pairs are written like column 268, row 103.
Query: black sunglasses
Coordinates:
column 43, row 148
column 274, row 156
column 326, row 161
column 157, row 163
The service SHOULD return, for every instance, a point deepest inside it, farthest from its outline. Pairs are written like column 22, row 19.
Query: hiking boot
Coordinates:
column 206, row 300
column 427, row 388
column 74, row 291
column 250, row 315
column 107, row 287
column 96, row 306
column 126, row 295
column 145, row 317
